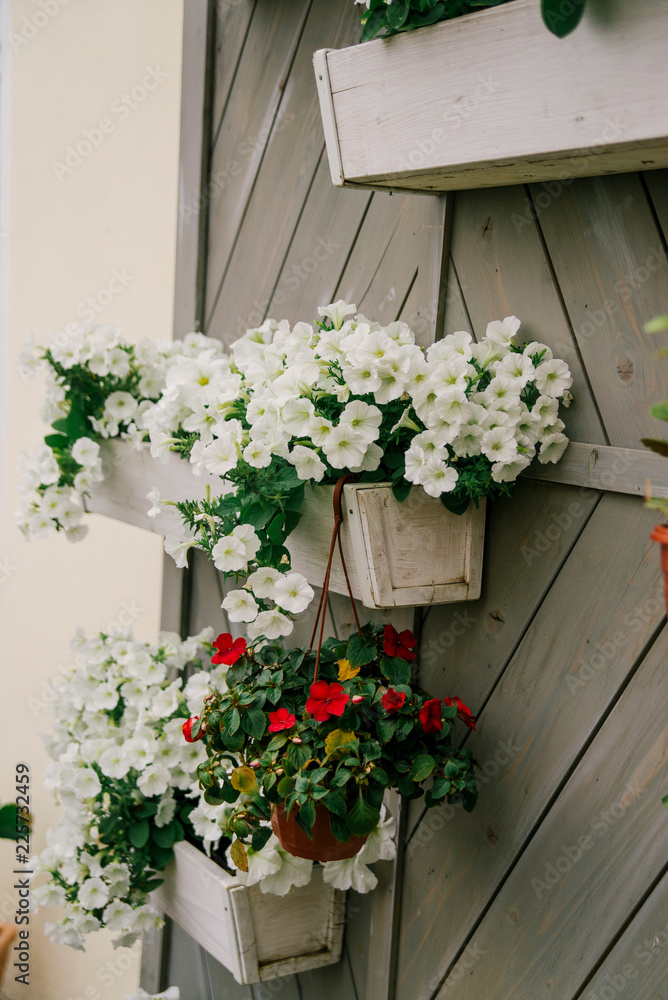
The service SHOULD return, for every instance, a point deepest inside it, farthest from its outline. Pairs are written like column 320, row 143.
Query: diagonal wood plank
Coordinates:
column 374, row 236
column 232, row 23
column 594, row 623
column 590, row 863
column 186, row 966
column 657, row 186
column 319, row 249
column 283, row 181
column 611, row 266
column 251, row 114
column 638, row 962
column 502, row 269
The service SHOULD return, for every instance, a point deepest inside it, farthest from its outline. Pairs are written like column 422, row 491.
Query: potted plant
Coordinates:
column 312, row 740
column 660, row 446
column 138, row 838
column 293, row 409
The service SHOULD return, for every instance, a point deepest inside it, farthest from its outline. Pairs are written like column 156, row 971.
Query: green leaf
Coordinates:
column 657, row 445
column 153, row 883
column 396, row 670
column 260, row 837
column 660, row 410
column 160, row 856
column 360, row 651
column 232, row 720
column 404, row 726
column 8, row 821
column 239, row 856
column 451, row 769
column 139, row 833
column 164, row 836
column 397, row 12
column 335, row 803
column 362, row 818
column 422, row 767
column 440, row 788
column 336, row 739
column 298, row 754
column 401, row 490
column 277, row 741
column 146, row 808
column 659, row 324
column 665, row 801
column 456, row 505
column 385, row 729
column 243, row 779
column 254, row 722
column 432, row 17
column 562, row 18
column 373, row 24
column 339, row 828
column 306, row 817
column 57, row 442
column 257, row 514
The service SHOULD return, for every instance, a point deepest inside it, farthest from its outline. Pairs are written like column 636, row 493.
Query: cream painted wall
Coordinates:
column 72, row 229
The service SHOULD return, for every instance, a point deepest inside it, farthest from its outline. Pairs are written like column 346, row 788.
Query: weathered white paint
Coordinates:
column 256, row 935
column 494, row 98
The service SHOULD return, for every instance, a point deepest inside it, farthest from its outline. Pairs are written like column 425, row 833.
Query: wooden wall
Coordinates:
column 555, row 886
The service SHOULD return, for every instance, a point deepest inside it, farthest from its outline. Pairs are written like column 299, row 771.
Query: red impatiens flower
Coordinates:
column 229, row 650
column 463, row 712
column 392, row 700
column 326, row 700
column 281, row 719
column 430, row 716
column 399, row 644
column 187, row 730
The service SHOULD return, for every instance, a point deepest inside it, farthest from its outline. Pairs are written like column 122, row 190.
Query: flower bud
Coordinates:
column 296, row 739
column 187, row 730
column 357, row 698
column 254, row 763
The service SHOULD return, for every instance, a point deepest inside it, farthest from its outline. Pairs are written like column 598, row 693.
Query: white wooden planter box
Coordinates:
column 397, row 554
column 256, row 935
column 494, row 98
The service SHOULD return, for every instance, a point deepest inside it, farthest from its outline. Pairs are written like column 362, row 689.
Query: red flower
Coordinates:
column 229, row 650
column 399, row 644
column 187, row 730
column 281, row 719
column 430, row 716
column 463, row 712
column 392, row 700
column 326, row 700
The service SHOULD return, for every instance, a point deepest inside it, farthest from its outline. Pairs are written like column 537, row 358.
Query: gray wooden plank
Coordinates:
column 591, row 861
column 223, row 985
column 283, row 181
column 379, row 224
column 637, row 965
column 503, row 271
column 611, row 267
column 466, row 646
column 186, row 966
column 319, row 249
column 456, row 316
column 335, row 982
column 232, row 23
column 205, row 599
column 597, row 618
column 250, row 115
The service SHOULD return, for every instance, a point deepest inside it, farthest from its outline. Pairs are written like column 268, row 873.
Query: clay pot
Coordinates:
column 322, row 847
column 8, row 934
column 660, row 534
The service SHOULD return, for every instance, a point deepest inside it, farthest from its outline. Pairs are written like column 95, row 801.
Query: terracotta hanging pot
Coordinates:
column 660, row 534
column 8, row 934
column 323, row 847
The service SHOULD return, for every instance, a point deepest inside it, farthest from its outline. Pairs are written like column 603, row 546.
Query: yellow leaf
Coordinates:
column 336, row 739
column 346, row 672
column 239, row 856
column 243, row 779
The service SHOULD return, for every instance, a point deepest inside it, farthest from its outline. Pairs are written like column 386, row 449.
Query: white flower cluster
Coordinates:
column 116, row 718
column 276, row 871
column 48, row 505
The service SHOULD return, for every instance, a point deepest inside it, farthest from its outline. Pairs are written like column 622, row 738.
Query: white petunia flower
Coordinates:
column 263, row 581
column 436, row 478
column 503, row 331
column 351, row 873
column 337, row 312
column 154, row 780
column 307, row 463
column 293, row 872
column 86, row 452
column 229, row 554
column 553, row 377
column 120, row 406
column 114, row 763
column 248, row 538
column 50, row 894
column 93, row 893
column 507, row 472
column 293, row 593
column 178, row 549
column 499, row 444
column 552, row 448
column 257, row 454
column 363, row 418
column 272, row 624
column 240, row 606
column 344, row 447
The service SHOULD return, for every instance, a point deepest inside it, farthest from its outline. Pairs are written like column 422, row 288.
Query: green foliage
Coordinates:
column 660, row 412
column 10, row 820
column 346, row 761
column 389, row 18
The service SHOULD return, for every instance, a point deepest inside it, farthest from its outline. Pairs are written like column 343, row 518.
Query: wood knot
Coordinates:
column 492, row 834
column 494, row 621
column 513, row 914
column 625, row 369
column 487, row 226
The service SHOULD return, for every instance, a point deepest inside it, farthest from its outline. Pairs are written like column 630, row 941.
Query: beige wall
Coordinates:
column 71, row 230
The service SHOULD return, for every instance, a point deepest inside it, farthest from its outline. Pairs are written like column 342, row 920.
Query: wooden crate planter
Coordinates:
column 494, row 98
column 257, row 936
column 397, row 554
